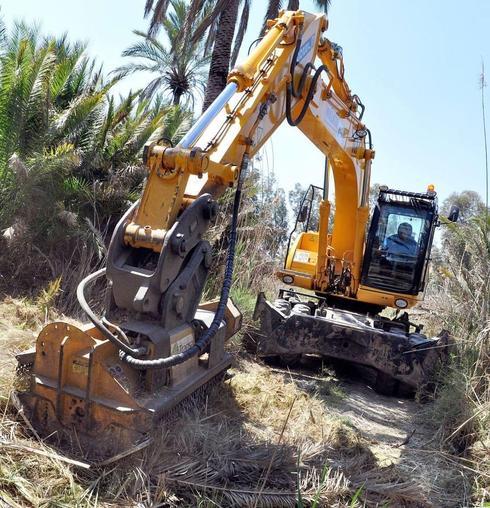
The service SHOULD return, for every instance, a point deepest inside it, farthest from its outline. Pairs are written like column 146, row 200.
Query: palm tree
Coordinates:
column 179, row 65
column 214, row 20
column 221, row 56
column 220, row 61
column 274, row 6
column 159, row 8
column 69, row 154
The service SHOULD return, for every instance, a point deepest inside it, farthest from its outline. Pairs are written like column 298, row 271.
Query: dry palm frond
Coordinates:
column 241, row 497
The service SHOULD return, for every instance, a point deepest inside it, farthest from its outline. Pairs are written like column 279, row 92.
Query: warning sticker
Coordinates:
column 301, row 256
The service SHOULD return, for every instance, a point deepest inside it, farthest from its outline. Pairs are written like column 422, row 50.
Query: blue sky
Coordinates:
column 415, row 65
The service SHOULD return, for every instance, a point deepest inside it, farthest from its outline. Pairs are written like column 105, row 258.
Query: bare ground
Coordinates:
column 400, row 435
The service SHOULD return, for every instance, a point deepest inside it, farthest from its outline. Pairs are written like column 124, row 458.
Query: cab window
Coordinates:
column 396, row 248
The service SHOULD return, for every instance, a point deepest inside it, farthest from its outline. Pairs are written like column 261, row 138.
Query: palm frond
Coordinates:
column 324, row 5
column 159, row 13
column 208, row 19
column 179, row 70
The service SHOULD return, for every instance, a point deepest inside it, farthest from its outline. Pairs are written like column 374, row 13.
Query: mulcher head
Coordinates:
column 81, row 390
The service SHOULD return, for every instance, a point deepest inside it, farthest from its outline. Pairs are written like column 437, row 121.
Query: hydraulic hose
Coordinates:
column 309, row 96
column 208, row 334
column 291, row 91
column 123, row 346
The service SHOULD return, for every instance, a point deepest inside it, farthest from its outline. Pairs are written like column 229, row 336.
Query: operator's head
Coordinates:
column 405, row 230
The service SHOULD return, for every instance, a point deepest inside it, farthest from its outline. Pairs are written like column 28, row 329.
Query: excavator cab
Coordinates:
column 399, row 241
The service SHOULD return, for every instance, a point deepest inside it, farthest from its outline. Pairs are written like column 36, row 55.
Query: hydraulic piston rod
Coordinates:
column 208, row 116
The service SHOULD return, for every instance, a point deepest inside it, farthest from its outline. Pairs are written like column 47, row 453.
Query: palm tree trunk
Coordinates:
column 177, row 95
column 220, row 59
column 273, row 7
column 293, row 5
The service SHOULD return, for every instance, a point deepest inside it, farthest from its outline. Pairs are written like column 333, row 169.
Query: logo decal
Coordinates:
column 305, row 48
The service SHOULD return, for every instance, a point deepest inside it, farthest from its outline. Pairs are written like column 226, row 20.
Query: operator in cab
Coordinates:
column 400, row 247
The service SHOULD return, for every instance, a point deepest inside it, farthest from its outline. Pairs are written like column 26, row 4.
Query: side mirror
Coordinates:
column 453, row 214
column 303, row 214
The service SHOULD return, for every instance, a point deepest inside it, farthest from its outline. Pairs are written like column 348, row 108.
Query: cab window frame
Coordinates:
column 414, row 209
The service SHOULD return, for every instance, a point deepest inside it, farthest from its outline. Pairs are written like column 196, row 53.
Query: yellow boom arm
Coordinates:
column 244, row 117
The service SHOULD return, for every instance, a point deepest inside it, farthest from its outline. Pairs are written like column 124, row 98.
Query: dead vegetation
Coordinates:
column 269, row 438
column 460, row 301
column 262, row 438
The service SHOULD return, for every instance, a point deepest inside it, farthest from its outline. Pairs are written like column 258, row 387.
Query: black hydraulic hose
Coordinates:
column 370, row 139
column 358, row 101
column 208, row 334
column 124, row 346
column 309, row 97
column 291, row 91
column 297, row 93
column 253, row 42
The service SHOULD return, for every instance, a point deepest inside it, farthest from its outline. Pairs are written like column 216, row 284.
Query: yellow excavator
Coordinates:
column 155, row 343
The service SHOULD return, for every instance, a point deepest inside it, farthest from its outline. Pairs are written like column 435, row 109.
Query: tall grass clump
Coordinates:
column 261, row 233
column 461, row 299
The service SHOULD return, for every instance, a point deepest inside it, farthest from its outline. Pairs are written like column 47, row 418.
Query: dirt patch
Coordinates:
column 399, row 436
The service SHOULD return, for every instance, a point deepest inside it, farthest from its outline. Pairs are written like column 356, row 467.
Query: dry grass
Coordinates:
column 256, row 440
column 18, row 322
column 460, row 302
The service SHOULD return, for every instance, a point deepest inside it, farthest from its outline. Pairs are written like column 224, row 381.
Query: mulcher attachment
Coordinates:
column 289, row 327
column 79, row 384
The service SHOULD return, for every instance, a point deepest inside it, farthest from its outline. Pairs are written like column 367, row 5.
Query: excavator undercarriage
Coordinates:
column 297, row 325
